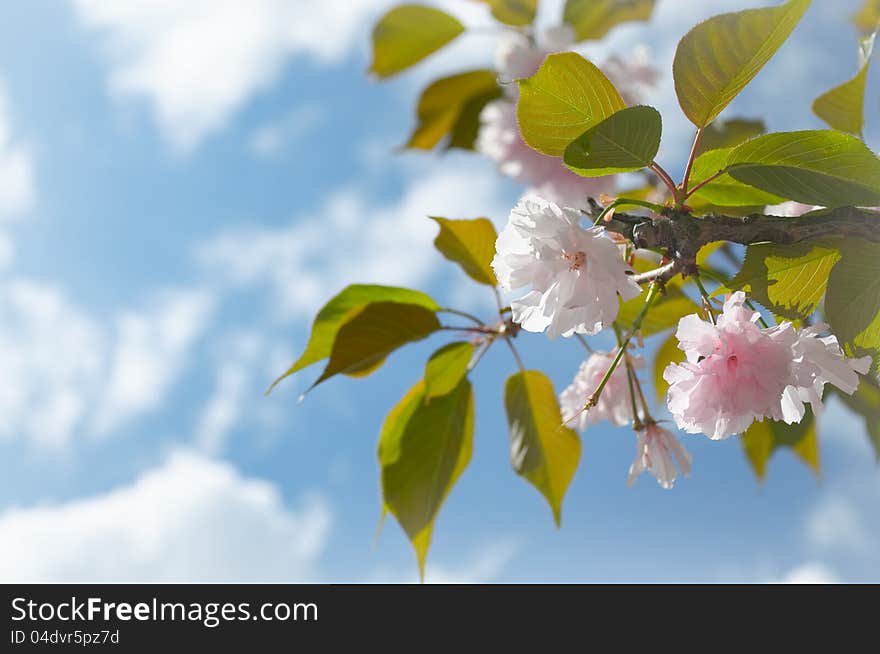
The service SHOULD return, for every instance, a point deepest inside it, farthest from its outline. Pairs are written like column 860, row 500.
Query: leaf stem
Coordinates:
column 516, row 356
column 726, row 284
column 709, row 179
column 637, row 423
column 583, row 342
column 619, row 202
column 690, row 163
column 707, row 301
column 463, row 314
column 665, row 177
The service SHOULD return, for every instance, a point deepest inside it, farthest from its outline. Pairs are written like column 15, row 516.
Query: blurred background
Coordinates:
column 183, row 185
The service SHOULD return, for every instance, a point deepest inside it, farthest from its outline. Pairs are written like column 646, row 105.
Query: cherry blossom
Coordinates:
column 576, row 274
column 614, row 403
column 655, row 449
column 737, row 373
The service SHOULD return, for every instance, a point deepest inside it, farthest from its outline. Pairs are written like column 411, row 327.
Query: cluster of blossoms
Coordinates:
column 499, row 137
column 735, row 373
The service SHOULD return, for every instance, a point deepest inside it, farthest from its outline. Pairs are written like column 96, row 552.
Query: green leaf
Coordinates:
column 409, row 33
column 843, row 107
column 667, row 353
column 865, row 402
column 593, row 19
column 340, row 309
column 789, row 280
column 729, row 133
column 720, row 56
column 542, row 449
column 446, row 368
column 764, row 438
column 852, row 301
column 826, row 168
column 565, row 98
column 470, row 244
column 368, row 337
column 424, row 447
column 624, row 142
column 667, row 310
column 867, row 18
column 450, row 107
column 513, row 12
column 725, row 190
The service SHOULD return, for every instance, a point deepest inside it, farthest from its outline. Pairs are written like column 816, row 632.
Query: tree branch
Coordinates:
column 682, row 235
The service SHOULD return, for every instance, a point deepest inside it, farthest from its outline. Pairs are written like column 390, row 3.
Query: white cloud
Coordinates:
column 190, row 520
column 486, row 565
column 349, row 240
column 835, row 523
column 16, row 166
column 150, row 353
column 812, row 572
column 200, row 61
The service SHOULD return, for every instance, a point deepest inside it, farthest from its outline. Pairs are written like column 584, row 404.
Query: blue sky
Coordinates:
column 184, row 184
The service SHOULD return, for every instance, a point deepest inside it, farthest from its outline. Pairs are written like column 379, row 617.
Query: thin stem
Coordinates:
column 498, row 302
column 637, row 423
column 516, row 356
column 641, row 393
column 473, row 330
column 711, row 178
column 583, row 342
column 707, row 301
column 463, row 314
column 690, row 163
column 484, row 347
column 651, row 275
column 726, row 284
column 619, row 202
column 637, row 324
column 664, row 177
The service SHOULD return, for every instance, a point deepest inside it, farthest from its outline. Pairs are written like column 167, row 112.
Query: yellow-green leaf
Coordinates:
column 542, row 449
column 790, row 280
column 667, row 353
column 867, row 19
column 843, row 107
column 724, row 190
column 852, row 301
column 821, row 167
column 720, row 56
column 565, row 98
column 450, row 107
column 624, row 142
column 729, row 133
column 764, row 438
column 409, row 33
column 368, row 337
column 470, row 244
column 341, row 308
column 593, row 19
column 446, row 368
column 665, row 313
column 513, row 12
column 424, row 447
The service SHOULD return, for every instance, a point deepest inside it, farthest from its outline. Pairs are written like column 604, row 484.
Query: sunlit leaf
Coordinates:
column 667, row 353
column 565, row 98
column 725, row 190
column 409, row 33
column 593, row 19
column 513, row 12
column 470, row 244
column 446, row 368
column 542, row 450
column 764, row 438
column 729, row 133
column 342, row 307
column 665, row 313
column 720, row 56
column 867, row 19
column 624, row 142
column 450, row 108
column 424, row 447
column 789, row 280
column 373, row 333
column 852, row 301
column 821, row 167
column 843, row 107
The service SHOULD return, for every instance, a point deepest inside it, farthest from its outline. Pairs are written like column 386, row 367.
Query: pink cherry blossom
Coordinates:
column 576, row 274
column 655, row 449
column 737, row 373
column 614, row 404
